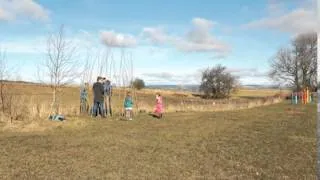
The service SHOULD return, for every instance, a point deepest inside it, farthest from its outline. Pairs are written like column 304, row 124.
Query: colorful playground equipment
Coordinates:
column 304, row 97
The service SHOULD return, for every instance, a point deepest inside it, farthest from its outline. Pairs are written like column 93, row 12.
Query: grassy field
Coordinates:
column 271, row 142
column 254, row 93
column 35, row 100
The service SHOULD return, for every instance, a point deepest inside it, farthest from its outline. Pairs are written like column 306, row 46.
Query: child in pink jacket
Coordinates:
column 158, row 110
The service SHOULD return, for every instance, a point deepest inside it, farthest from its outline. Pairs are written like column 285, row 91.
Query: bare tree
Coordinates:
column 305, row 46
column 297, row 65
column 88, row 68
column 285, row 68
column 11, row 107
column 60, row 65
column 4, row 76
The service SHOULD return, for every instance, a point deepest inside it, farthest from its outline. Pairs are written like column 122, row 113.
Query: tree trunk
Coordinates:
column 54, row 109
column 296, row 74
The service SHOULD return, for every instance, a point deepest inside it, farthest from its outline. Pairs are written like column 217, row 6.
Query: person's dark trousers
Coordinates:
column 98, row 108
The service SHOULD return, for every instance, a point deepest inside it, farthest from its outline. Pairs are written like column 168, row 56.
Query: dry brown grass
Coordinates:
column 32, row 102
column 258, row 143
column 259, row 92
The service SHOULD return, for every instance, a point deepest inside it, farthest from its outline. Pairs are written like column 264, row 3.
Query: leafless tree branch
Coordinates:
column 60, row 65
column 297, row 65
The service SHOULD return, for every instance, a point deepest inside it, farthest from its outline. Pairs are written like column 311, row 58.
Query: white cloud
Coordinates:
column 300, row 20
column 188, row 46
column 200, row 39
column 162, row 75
column 197, row 39
column 4, row 14
column 297, row 21
column 202, row 24
column 194, row 77
column 172, row 78
column 113, row 39
column 156, row 35
column 247, row 72
column 12, row 9
column 252, row 80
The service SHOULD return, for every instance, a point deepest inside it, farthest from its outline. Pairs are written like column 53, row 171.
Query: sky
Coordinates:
column 169, row 42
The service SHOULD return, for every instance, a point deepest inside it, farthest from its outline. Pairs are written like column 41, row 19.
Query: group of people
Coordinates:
column 102, row 93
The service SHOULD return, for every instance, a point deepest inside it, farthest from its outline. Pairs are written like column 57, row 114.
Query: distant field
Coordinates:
column 259, row 92
column 242, row 92
column 271, row 142
column 37, row 99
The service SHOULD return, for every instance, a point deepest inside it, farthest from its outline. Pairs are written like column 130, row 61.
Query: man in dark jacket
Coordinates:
column 98, row 92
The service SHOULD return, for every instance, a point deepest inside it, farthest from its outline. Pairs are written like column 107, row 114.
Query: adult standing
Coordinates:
column 98, row 99
column 107, row 96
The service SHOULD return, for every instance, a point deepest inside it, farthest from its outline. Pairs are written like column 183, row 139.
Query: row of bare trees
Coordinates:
column 8, row 101
column 296, row 65
column 4, row 75
column 63, row 66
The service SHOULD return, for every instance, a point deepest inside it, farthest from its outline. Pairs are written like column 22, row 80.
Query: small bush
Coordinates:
column 138, row 84
column 218, row 83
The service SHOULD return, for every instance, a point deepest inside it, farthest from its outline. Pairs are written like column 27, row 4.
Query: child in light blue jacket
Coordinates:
column 128, row 105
